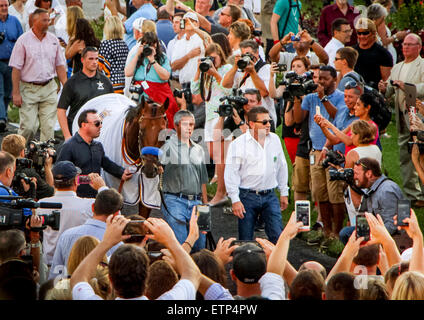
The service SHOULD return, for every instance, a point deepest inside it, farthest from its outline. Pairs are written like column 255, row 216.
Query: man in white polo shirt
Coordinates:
column 254, row 168
column 341, row 31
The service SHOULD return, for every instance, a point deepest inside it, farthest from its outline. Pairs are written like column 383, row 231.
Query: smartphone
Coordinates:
column 182, row 24
column 303, row 214
column 282, row 67
column 83, row 179
column 136, row 229
column 204, row 217
column 154, row 256
column 410, row 94
column 362, row 228
column 242, row 242
column 403, row 211
column 317, row 110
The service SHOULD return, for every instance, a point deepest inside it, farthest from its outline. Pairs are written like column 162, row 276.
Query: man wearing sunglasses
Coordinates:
column 374, row 61
column 255, row 166
column 411, row 70
column 88, row 154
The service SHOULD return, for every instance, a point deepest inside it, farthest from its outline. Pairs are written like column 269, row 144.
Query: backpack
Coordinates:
column 379, row 112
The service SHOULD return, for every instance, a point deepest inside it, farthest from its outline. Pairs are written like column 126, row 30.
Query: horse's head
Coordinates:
column 148, row 119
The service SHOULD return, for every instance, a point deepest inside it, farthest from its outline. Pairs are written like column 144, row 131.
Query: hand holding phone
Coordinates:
column 403, row 212
column 303, row 214
column 317, row 110
column 362, row 228
column 83, row 179
column 203, row 217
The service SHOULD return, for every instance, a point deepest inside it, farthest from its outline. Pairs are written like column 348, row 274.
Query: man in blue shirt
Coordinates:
column 145, row 10
column 164, row 28
column 10, row 31
column 329, row 194
column 107, row 202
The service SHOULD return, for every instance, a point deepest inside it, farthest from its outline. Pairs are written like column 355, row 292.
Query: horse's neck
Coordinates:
column 131, row 140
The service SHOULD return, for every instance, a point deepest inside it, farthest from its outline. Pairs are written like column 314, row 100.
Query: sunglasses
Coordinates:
column 97, row 123
column 265, row 121
column 359, row 163
column 363, row 33
column 337, row 59
column 47, row 0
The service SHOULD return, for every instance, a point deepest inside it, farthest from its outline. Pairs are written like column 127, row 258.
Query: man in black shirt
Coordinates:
column 81, row 87
column 374, row 61
column 88, row 154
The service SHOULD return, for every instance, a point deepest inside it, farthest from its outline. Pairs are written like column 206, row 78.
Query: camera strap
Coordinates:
column 202, row 87
column 288, row 16
column 10, row 191
column 258, row 66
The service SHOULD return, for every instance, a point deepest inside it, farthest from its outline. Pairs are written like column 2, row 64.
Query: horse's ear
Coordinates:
column 166, row 104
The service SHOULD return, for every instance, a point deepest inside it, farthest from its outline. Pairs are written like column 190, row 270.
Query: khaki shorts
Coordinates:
column 301, row 175
column 323, row 189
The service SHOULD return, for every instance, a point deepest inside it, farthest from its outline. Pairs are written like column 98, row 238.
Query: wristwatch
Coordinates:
column 312, row 42
column 324, row 99
column 35, row 245
column 241, row 123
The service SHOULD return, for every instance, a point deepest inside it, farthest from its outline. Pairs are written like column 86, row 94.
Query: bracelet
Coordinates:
column 325, row 148
column 35, row 245
column 191, row 247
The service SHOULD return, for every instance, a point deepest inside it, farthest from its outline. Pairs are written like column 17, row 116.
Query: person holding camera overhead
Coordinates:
column 207, row 83
column 150, row 69
column 254, row 73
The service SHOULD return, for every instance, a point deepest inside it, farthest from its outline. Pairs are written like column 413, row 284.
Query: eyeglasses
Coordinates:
column 337, row 59
column 97, row 123
column 347, row 31
column 410, row 44
column 265, row 121
column 363, row 33
column 47, row 0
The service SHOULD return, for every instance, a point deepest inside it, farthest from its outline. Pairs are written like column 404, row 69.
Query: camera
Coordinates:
column 237, row 102
column 147, row 50
column 345, row 175
column 136, row 90
column 282, row 67
column 2, row 36
column 295, row 38
column 334, row 158
column 206, row 63
column 257, row 33
column 11, row 215
column 245, row 60
column 297, row 85
column 187, row 95
column 37, row 152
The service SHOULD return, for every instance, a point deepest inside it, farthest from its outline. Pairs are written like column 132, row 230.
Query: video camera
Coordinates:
column 333, row 157
column 38, row 151
column 136, row 90
column 11, row 215
column 206, row 63
column 298, row 85
column 236, row 101
column 245, row 60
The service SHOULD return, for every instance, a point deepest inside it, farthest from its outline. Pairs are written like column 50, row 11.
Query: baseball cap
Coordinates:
column 366, row 24
column 138, row 23
column 191, row 15
column 249, row 263
column 65, row 170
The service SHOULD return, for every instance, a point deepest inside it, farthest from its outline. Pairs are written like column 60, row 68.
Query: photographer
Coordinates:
column 151, row 70
column 15, row 145
column 207, row 82
column 416, row 125
column 253, row 73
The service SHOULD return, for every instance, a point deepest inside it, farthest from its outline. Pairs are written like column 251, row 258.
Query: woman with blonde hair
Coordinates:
column 409, row 286
column 73, row 13
column 113, row 53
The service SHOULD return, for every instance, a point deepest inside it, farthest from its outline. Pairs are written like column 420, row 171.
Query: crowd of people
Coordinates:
column 238, row 72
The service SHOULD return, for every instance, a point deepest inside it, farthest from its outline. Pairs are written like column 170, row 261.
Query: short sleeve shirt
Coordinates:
column 282, row 8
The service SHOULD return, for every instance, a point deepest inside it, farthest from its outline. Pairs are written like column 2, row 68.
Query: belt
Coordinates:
column 42, row 84
column 261, row 192
column 4, row 60
column 190, row 197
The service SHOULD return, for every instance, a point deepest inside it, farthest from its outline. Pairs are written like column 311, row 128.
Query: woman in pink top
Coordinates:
column 362, row 111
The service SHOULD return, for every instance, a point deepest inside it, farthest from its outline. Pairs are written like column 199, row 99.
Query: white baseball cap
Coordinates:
column 191, row 15
column 138, row 23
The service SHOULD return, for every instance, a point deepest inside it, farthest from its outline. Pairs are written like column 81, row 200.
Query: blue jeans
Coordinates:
column 5, row 88
column 179, row 216
column 345, row 234
column 268, row 206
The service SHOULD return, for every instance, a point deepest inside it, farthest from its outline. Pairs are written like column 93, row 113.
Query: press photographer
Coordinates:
column 251, row 72
column 42, row 155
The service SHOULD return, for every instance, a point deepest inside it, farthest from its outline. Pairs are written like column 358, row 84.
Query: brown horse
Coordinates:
column 142, row 127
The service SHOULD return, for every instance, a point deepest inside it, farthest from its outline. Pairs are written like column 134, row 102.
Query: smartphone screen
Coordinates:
column 182, row 24
column 204, row 218
column 317, row 110
column 83, row 179
column 303, row 214
column 403, row 211
column 362, row 228
column 242, row 242
column 410, row 94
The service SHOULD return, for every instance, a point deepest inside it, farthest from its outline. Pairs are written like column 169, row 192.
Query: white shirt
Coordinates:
column 272, row 286
column 181, row 48
column 250, row 166
column 264, row 74
column 331, row 48
column 287, row 58
column 75, row 211
column 182, row 290
column 13, row 12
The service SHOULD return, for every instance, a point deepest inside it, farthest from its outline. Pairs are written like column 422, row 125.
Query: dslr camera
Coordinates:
column 38, row 151
column 298, row 85
column 136, row 90
column 206, row 63
column 245, row 60
column 345, row 175
column 236, row 101
column 147, row 50
column 334, row 158
column 187, row 95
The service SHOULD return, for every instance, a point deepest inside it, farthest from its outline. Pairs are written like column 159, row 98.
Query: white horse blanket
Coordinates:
column 112, row 109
